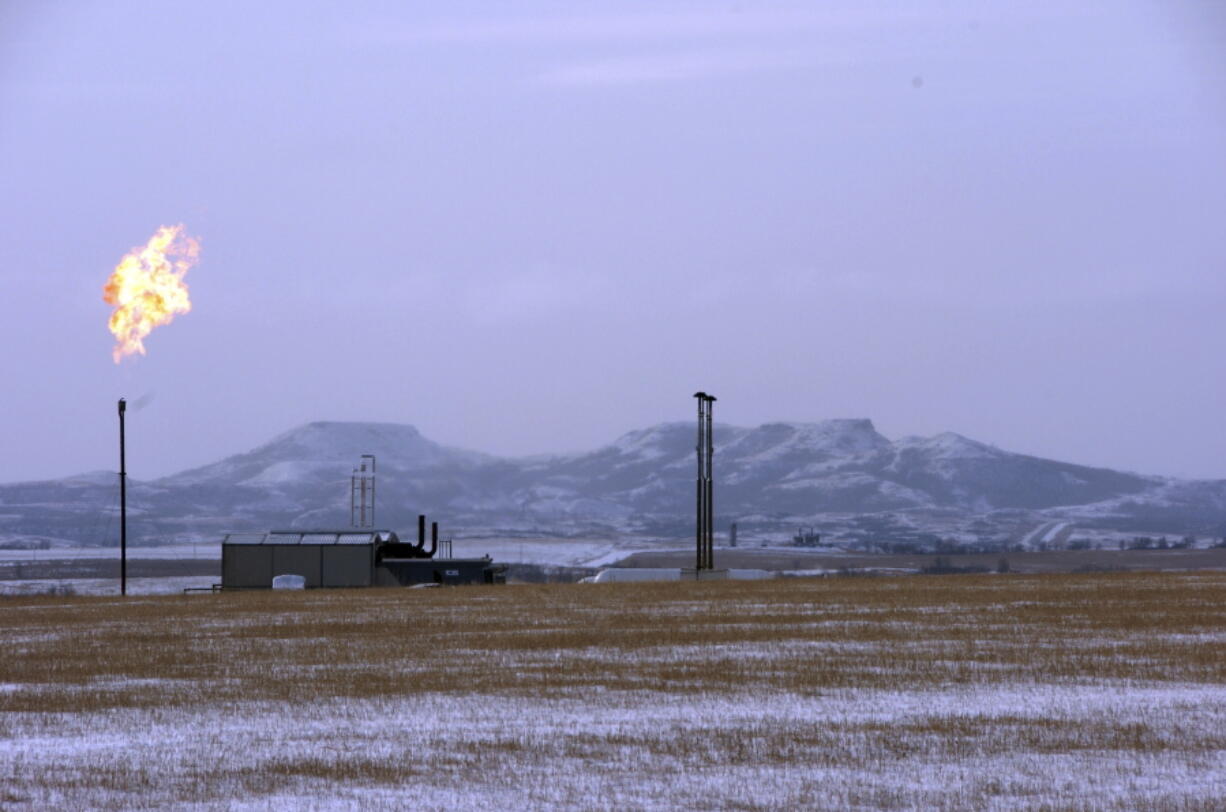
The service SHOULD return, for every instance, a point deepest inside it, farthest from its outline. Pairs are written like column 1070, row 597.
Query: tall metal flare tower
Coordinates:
column 123, row 505
column 705, row 525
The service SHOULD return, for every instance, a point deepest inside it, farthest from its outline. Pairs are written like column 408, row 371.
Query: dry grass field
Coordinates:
column 1103, row 691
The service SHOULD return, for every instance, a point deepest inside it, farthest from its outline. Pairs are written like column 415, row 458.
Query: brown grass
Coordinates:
column 76, row 657
column 92, row 653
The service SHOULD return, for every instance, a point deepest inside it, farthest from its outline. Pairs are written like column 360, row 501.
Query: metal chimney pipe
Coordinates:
column 421, row 531
column 710, row 482
column 123, row 506
column 700, row 512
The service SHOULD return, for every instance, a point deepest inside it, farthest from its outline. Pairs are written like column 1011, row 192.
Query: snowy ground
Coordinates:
column 555, row 552
column 600, row 552
column 203, row 551
column 1002, row 692
column 548, row 551
column 644, row 750
column 105, row 586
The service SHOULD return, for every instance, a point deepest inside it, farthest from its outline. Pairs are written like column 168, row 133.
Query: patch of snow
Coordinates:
column 107, row 586
column 834, row 483
column 839, row 437
column 636, row 574
column 949, row 446
column 292, row 471
column 204, row 551
column 643, row 445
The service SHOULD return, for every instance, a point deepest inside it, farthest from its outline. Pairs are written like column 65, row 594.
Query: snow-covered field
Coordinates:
column 203, row 550
column 968, row 748
column 555, row 552
column 1091, row 691
column 106, row 586
column 560, row 552
column 551, row 551
column 10, row 560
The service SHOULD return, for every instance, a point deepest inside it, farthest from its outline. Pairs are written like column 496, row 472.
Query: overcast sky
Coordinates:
column 525, row 228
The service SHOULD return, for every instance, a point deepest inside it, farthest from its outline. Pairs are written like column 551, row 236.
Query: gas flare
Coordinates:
column 147, row 288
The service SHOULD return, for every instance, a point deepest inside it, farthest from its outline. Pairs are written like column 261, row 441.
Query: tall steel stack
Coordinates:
column 705, row 526
column 123, row 506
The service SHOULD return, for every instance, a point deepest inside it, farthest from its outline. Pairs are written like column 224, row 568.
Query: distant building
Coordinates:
column 345, row 558
column 807, row 537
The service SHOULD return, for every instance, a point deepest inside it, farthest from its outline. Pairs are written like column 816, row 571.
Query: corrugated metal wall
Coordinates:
column 253, row 566
column 245, row 567
column 348, row 565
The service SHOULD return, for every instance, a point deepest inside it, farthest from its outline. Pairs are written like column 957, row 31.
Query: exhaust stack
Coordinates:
column 123, row 505
column 704, row 533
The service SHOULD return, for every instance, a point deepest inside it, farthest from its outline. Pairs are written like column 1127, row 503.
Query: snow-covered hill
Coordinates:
column 769, row 477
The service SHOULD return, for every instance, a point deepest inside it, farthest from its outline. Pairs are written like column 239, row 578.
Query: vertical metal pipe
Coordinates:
column 123, row 505
column 421, row 531
column 702, row 453
column 706, row 487
column 699, row 513
column 704, row 531
column 710, row 482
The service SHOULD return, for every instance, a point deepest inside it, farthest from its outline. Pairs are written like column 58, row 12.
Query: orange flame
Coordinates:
column 147, row 288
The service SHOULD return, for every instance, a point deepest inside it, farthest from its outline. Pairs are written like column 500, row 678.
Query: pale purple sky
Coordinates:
column 528, row 228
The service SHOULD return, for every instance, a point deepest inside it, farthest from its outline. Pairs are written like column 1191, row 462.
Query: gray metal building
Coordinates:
column 343, row 558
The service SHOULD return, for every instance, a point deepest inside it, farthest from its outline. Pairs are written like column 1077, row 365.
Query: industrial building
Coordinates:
column 347, row 558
